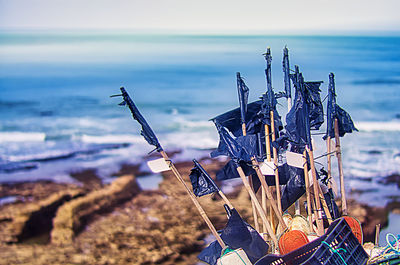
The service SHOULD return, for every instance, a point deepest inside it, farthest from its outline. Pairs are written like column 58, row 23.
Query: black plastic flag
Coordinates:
column 202, row 183
column 243, row 93
column 237, row 234
column 146, row 132
column 334, row 111
column 231, row 120
column 313, row 98
column 243, row 148
column 296, row 120
column 286, row 71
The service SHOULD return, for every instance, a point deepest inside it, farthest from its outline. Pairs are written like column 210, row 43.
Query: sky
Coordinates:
column 204, row 15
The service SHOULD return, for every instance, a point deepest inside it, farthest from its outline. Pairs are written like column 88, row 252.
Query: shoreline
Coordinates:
column 162, row 220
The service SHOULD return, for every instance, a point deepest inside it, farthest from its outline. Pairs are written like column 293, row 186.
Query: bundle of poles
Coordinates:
column 240, row 149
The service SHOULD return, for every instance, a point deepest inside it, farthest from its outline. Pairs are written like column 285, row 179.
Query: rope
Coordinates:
column 390, row 246
column 389, row 252
column 336, row 251
column 326, row 154
column 324, row 99
column 318, row 133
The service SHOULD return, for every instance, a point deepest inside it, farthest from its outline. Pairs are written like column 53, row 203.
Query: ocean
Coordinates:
column 57, row 117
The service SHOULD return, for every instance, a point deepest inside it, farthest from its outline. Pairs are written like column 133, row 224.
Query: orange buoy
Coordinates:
column 355, row 227
column 292, row 240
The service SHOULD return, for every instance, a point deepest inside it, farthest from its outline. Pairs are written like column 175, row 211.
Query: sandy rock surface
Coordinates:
column 118, row 224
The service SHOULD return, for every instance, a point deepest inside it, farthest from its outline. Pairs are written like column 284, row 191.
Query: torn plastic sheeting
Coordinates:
column 232, row 119
column 239, row 234
column 240, row 149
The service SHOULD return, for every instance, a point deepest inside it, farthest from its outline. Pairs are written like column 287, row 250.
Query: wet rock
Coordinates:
column 32, row 219
column 89, row 178
column 72, row 216
column 153, row 227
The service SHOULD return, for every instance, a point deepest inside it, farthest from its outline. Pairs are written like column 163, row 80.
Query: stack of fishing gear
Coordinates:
column 277, row 166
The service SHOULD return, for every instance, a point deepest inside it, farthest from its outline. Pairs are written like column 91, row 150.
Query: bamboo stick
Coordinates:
column 268, row 151
column 325, row 205
column 340, row 166
column 258, row 205
column 320, row 225
column 225, row 199
column 193, row 198
column 329, row 160
column 308, row 195
column 275, row 152
column 253, row 207
column 269, row 194
column 377, row 230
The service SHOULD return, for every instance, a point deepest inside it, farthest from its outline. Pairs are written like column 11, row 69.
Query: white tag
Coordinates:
column 158, row 165
column 314, row 146
column 310, row 178
column 294, row 159
column 267, row 168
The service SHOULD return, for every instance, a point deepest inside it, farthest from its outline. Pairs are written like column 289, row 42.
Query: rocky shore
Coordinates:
column 118, row 223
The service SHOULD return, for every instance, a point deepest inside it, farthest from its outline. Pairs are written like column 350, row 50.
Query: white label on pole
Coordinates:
column 294, row 159
column 314, row 146
column 310, row 178
column 267, row 168
column 158, row 165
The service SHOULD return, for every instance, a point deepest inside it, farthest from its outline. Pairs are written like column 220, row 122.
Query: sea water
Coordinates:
column 56, row 116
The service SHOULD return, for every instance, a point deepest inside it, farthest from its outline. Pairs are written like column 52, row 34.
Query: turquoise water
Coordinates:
column 57, row 117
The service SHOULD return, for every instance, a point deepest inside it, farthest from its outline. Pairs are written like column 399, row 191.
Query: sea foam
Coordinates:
column 392, row 126
column 22, row 137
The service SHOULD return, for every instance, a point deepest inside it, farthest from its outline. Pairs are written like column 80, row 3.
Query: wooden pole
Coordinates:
column 324, row 205
column 264, row 204
column 307, row 182
column 268, row 151
column 267, row 143
column 253, row 207
column 227, row 202
column 320, row 224
column 277, row 186
column 193, row 198
column 269, row 194
column 258, row 205
column 340, row 166
column 297, row 210
column 329, row 160
column 377, row 230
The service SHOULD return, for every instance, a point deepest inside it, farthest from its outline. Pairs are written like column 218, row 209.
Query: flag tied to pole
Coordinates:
column 334, row 111
column 146, row 131
column 243, row 148
column 236, row 234
column 243, row 92
column 202, row 183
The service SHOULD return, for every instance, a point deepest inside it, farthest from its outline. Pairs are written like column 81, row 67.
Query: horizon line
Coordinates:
column 220, row 32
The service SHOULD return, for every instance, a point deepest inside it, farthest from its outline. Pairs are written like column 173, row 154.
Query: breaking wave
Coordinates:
column 392, row 126
column 22, row 137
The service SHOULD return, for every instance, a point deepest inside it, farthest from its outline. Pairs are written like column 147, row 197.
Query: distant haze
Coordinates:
column 291, row 16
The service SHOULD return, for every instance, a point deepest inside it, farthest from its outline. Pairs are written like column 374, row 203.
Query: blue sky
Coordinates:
column 204, row 15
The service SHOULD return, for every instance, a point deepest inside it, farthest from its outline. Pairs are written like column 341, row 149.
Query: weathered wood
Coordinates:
column 193, row 198
column 340, row 166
